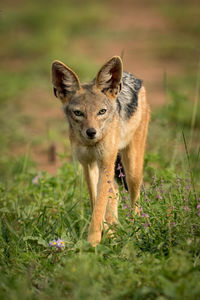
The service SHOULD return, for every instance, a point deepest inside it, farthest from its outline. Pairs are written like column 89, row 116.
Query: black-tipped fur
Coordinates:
column 127, row 99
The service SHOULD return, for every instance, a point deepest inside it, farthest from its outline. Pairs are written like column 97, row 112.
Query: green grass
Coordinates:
column 182, row 42
column 154, row 257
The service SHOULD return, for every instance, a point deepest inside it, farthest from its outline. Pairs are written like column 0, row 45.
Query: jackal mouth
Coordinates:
column 90, row 141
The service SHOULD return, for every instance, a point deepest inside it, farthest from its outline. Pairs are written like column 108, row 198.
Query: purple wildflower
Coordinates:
column 53, row 243
column 144, row 215
column 186, row 208
column 154, row 180
column 60, row 244
column 125, row 206
column 172, row 224
column 198, row 206
column 187, row 187
column 147, row 199
column 145, row 225
column 119, row 167
column 128, row 214
column 159, row 197
column 35, row 180
column 121, row 174
column 124, row 199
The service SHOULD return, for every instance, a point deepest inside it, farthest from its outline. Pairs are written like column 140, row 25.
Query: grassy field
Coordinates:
column 154, row 256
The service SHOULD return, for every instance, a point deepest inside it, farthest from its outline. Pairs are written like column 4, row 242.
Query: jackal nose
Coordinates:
column 91, row 132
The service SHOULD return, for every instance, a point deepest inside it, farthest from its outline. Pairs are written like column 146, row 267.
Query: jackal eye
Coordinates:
column 78, row 113
column 102, row 111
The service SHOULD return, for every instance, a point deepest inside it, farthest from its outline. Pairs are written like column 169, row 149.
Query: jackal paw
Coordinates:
column 94, row 238
column 137, row 210
column 110, row 230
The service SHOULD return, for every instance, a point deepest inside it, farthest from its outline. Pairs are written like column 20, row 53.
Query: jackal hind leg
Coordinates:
column 132, row 159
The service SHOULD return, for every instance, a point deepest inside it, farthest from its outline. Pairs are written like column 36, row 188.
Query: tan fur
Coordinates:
column 113, row 135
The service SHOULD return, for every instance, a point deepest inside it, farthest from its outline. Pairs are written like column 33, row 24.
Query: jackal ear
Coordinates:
column 65, row 81
column 109, row 78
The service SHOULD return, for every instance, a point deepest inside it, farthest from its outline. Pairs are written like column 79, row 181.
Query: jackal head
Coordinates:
column 90, row 108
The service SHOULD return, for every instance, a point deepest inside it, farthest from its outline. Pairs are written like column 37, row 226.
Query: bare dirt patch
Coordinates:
column 132, row 28
column 43, row 115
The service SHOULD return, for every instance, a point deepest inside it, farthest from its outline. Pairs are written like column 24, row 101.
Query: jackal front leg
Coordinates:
column 111, row 216
column 106, row 174
column 91, row 175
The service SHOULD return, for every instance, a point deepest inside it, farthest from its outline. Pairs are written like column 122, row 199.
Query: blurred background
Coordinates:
column 159, row 42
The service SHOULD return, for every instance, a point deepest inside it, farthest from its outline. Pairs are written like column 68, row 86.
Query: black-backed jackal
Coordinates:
column 106, row 117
